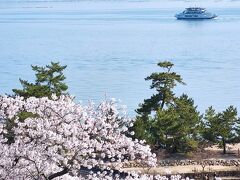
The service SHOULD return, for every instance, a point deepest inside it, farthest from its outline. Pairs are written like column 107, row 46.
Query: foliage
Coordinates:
column 164, row 120
column 176, row 128
column 143, row 129
column 163, row 83
column 49, row 80
column 221, row 128
column 10, row 124
column 64, row 137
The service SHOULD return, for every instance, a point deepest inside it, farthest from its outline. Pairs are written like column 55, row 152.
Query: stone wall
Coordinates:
column 206, row 162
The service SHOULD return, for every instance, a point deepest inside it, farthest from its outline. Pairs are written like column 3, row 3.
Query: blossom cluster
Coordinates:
column 60, row 137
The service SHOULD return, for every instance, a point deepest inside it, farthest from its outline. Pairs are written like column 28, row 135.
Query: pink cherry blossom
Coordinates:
column 63, row 137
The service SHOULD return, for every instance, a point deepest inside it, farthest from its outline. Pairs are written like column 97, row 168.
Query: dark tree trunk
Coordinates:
column 163, row 102
column 224, row 146
column 60, row 173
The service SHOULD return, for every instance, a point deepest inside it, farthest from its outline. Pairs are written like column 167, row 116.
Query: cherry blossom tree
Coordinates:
column 64, row 137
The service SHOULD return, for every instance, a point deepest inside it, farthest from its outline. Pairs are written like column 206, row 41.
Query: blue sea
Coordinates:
column 110, row 46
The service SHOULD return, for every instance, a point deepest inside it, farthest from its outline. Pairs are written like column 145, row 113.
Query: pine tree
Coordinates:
column 221, row 128
column 177, row 126
column 49, row 80
column 163, row 83
column 164, row 120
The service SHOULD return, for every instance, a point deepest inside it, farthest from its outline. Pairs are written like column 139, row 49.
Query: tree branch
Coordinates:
column 60, row 173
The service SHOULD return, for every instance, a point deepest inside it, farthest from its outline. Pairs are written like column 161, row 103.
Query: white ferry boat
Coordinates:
column 195, row 13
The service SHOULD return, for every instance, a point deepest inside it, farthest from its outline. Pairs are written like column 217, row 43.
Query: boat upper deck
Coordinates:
column 194, row 10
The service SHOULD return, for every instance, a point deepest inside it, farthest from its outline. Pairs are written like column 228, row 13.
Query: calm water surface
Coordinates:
column 111, row 46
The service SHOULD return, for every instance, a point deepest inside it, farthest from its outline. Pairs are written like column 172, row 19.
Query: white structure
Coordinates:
column 195, row 13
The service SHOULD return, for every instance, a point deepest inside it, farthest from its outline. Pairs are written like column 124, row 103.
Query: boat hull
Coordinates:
column 195, row 18
column 192, row 15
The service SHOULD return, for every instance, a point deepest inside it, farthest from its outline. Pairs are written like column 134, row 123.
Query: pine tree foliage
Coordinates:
column 176, row 128
column 221, row 128
column 163, row 83
column 49, row 80
column 164, row 120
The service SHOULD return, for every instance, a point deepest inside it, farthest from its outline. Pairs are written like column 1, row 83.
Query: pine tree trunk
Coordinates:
column 224, row 146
